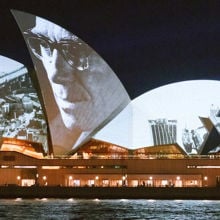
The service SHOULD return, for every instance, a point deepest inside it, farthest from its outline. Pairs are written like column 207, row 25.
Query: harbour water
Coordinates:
column 66, row 209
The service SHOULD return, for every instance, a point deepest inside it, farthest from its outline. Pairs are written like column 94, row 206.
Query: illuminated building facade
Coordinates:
column 106, row 165
column 53, row 151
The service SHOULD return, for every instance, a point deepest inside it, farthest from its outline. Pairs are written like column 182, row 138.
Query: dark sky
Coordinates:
column 146, row 43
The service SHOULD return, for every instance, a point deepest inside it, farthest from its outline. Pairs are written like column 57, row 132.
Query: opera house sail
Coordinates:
column 21, row 115
column 80, row 91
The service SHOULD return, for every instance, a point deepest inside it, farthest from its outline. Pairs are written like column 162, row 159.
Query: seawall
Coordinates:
column 210, row 193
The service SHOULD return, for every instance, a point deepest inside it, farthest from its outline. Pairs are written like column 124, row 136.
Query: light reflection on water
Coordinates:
column 108, row 209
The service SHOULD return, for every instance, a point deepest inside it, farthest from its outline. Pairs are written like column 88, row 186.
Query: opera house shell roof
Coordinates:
column 74, row 101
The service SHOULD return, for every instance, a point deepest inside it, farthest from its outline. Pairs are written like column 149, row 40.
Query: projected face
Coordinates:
column 66, row 60
column 74, row 71
column 87, row 94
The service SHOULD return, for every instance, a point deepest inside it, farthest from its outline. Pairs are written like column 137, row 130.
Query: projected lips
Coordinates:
column 80, row 91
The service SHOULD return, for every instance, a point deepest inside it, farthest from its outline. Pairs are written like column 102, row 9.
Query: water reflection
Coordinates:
column 109, row 209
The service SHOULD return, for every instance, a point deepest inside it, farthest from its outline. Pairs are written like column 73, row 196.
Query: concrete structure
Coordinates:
column 105, row 165
column 35, row 161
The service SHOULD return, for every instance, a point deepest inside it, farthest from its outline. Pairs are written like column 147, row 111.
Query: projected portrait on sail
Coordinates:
column 81, row 93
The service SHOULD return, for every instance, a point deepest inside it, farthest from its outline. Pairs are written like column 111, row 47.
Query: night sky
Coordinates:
column 147, row 43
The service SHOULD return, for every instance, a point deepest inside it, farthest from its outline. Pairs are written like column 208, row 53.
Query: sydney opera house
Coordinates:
column 71, row 122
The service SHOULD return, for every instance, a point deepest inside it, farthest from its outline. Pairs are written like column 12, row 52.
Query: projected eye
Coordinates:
column 74, row 53
column 36, row 44
column 70, row 53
